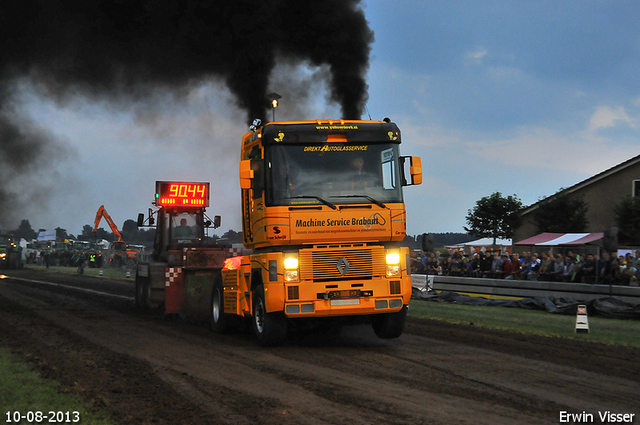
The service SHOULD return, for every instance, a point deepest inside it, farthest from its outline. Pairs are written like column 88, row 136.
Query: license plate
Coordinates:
column 347, row 293
column 351, row 293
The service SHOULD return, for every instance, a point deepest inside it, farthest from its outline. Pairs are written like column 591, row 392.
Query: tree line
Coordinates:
column 130, row 232
column 497, row 216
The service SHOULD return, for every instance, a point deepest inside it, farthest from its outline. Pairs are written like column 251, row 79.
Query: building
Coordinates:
column 600, row 192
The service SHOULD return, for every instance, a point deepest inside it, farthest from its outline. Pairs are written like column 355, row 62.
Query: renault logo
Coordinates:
column 343, row 266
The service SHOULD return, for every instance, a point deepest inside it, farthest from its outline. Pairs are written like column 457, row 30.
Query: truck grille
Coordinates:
column 322, row 265
column 293, row 292
column 394, row 287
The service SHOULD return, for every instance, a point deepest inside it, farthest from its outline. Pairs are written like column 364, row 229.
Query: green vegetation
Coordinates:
column 494, row 216
column 536, row 322
column 23, row 390
column 109, row 273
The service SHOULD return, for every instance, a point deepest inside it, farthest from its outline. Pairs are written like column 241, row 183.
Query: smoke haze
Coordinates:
column 125, row 50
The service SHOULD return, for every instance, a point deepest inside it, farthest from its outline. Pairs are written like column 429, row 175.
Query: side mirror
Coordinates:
column 216, row 221
column 246, row 174
column 140, row 220
column 416, row 170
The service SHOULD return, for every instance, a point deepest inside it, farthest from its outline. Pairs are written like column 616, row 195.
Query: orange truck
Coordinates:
column 323, row 215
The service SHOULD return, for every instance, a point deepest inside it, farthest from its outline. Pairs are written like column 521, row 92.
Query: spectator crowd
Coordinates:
column 571, row 267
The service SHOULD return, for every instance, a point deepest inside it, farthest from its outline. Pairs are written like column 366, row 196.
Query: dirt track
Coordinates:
column 144, row 369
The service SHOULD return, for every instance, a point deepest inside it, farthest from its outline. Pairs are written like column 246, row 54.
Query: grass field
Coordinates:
column 606, row 331
column 24, row 392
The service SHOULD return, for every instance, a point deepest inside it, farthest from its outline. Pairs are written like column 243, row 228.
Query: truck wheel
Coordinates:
column 149, row 304
column 143, row 293
column 390, row 325
column 270, row 328
column 219, row 320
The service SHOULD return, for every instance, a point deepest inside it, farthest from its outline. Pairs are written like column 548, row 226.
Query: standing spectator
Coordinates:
column 526, row 265
column 82, row 257
column 506, row 267
column 455, row 265
column 516, row 268
column 588, row 270
column 545, row 262
column 433, row 267
column 485, row 264
column 569, row 269
column 534, row 267
column 557, row 272
column 629, row 259
column 424, row 259
column 446, row 266
column 604, row 268
column 633, row 276
column 416, row 267
column 46, row 258
column 465, row 267
column 620, row 271
column 575, row 257
column 497, row 265
column 636, row 260
column 476, row 263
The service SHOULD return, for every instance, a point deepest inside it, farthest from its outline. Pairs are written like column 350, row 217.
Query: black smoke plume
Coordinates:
column 129, row 47
column 126, row 49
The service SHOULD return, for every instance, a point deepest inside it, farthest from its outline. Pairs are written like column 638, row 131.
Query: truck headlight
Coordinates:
column 393, row 264
column 290, row 263
column 393, row 258
column 291, row 268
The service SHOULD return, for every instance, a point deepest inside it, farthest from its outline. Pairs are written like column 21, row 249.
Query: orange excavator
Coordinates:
column 119, row 247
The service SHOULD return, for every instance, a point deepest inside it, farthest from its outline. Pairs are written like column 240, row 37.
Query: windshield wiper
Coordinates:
column 367, row 197
column 327, row 203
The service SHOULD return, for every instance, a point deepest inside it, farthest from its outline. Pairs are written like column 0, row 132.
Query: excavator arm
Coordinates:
column 103, row 213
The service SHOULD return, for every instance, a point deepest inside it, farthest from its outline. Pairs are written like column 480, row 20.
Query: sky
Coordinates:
column 522, row 98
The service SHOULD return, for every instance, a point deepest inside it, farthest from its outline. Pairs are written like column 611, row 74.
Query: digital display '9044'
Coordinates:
column 182, row 194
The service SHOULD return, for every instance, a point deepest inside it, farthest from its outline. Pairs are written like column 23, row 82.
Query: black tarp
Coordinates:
column 605, row 307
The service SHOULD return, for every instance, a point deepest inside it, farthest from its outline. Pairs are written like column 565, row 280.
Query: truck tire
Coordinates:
column 143, row 294
column 269, row 328
column 219, row 321
column 390, row 325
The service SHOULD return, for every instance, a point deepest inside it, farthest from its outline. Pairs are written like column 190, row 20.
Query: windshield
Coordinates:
column 335, row 173
column 184, row 227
